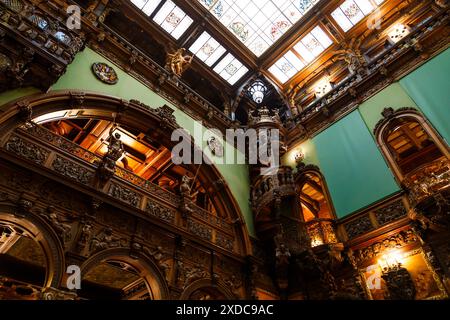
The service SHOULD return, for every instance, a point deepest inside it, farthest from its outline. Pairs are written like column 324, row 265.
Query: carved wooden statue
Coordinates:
column 178, row 62
column 115, row 152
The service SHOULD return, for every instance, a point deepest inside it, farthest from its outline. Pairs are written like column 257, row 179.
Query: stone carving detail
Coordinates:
column 199, row 229
column 263, row 115
column 105, row 240
column 394, row 242
column 27, row 150
column 72, row 170
column 390, row 213
column 125, row 195
column 160, row 212
column 215, row 146
column 185, row 186
column 358, row 227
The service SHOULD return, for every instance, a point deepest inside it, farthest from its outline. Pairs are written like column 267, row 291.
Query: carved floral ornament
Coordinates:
column 105, row 73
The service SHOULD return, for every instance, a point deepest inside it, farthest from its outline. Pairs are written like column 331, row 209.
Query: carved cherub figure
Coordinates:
column 178, row 62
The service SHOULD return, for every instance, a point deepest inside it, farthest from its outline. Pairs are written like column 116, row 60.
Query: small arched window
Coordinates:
column 408, row 141
column 315, row 206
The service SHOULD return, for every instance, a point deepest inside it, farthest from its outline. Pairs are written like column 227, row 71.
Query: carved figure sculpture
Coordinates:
column 178, row 62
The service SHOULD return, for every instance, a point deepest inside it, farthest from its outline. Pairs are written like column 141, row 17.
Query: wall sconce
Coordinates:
column 299, row 156
column 390, row 262
column 257, row 91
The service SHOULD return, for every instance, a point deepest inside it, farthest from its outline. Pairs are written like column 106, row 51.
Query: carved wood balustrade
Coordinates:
column 428, row 180
column 321, row 231
column 37, row 145
column 269, row 188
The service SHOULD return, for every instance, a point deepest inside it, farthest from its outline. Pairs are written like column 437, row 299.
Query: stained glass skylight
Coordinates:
column 172, row 19
column 230, row 69
column 207, row 49
column 147, row 6
column 305, row 51
column 351, row 12
column 258, row 23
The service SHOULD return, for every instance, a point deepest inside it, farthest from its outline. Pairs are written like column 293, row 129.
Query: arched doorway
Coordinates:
column 115, row 275
column 31, row 256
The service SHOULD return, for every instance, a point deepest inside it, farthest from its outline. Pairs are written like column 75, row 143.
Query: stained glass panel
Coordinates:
column 172, row 19
column 230, row 69
column 207, row 49
column 147, row 6
column 351, row 12
column 307, row 49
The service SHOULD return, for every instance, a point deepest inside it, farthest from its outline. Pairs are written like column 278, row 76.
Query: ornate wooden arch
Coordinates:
column 134, row 114
column 42, row 233
column 391, row 116
column 146, row 267
column 205, row 284
column 300, row 181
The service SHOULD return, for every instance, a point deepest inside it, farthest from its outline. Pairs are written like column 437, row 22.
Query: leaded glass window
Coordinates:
column 207, row 49
column 172, row 19
column 230, row 69
column 303, row 53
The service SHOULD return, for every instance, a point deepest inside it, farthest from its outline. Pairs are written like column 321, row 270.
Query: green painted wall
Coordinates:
column 393, row 96
column 353, row 166
column 12, row 95
column 429, row 87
